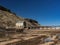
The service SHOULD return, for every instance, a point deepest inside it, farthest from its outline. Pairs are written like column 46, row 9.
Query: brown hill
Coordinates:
column 8, row 18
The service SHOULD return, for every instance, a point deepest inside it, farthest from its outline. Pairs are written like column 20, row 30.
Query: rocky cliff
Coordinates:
column 8, row 18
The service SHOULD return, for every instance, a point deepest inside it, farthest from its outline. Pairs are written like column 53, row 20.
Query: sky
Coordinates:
column 46, row 12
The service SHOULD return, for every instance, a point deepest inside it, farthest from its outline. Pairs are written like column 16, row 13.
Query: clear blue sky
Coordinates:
column 46, row 12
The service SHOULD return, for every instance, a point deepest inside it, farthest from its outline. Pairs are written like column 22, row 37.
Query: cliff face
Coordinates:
column 7, row 18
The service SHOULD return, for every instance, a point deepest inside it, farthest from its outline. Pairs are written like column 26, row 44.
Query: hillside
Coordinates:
column 8, row 18
column 33, row 22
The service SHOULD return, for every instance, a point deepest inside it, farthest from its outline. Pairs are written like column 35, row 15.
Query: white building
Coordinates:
column 20, row 24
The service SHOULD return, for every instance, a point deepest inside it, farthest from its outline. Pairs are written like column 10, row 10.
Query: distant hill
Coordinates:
column 8, row 18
